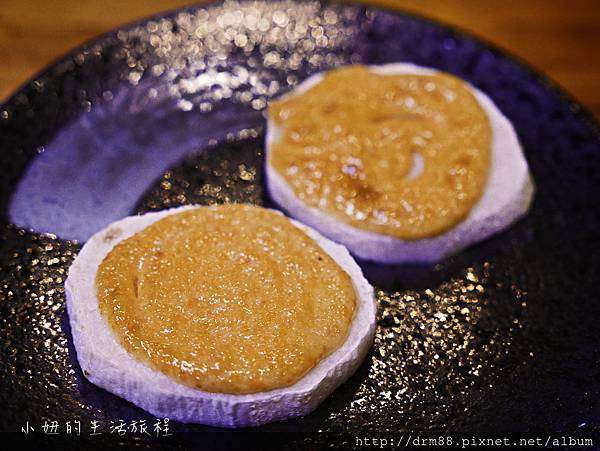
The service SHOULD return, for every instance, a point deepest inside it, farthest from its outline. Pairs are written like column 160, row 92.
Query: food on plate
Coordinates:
column 398, row 162
column 229, row 315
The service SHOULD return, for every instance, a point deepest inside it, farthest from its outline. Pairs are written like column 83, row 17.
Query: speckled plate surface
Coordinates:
column 503, row 337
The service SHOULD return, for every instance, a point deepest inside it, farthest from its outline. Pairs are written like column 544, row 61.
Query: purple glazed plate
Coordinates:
column 168, row 111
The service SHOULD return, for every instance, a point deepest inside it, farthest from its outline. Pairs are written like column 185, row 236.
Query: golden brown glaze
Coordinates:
column 351, row 145
column 230, row 298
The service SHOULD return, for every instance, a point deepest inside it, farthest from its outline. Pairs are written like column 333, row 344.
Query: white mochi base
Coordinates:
column 107, row 364
column 507, row 196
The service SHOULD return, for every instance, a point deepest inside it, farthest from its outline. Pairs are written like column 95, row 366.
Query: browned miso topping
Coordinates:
column 230, row 298
column 352, row 146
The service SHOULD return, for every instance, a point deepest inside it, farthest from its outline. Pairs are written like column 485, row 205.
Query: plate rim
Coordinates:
column 577, row 107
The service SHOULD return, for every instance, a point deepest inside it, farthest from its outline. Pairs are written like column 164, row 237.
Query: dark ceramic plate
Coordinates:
column 503, row 337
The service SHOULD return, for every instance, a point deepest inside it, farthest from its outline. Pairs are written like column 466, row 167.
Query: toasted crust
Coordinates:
column 507, row 196
column 107, row 364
